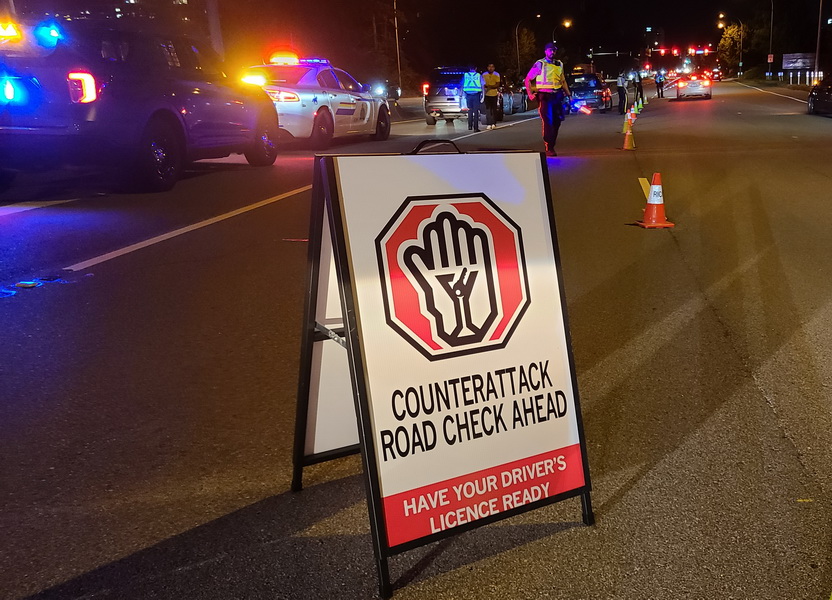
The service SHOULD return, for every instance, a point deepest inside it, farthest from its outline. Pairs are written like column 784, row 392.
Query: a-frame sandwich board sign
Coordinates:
column 456, row 337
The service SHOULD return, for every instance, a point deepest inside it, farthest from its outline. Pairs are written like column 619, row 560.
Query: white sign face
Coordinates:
column 459, row 315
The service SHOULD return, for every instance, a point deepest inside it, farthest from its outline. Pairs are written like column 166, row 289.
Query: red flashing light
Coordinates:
column 662, row 51
column 284, row 58
column 675, row 52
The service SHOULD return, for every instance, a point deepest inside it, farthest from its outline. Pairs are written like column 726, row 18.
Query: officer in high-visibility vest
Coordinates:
column 547, row 82
column 472, row 87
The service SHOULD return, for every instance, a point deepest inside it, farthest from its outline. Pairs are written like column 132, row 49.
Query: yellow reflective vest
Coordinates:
column 550, row 78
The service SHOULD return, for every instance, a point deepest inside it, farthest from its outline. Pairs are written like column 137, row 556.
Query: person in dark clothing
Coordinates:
column 659, row 84
column 621, row 84
column 639, row 86
column 547, row 83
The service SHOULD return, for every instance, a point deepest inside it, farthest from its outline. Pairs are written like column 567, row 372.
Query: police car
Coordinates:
column 317, row 101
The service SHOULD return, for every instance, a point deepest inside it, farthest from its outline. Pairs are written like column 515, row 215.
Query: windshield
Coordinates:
column 281, row 73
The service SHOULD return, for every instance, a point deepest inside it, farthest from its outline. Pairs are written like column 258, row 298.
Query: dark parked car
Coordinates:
column 820, row 97
column 589, row 90
column 126, row 94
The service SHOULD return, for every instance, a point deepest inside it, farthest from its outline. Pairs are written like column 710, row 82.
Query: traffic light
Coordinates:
column 675, row 52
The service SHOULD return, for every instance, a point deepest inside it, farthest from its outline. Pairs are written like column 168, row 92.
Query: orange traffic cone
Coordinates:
column 631, row 115
column 654, row 211
column 629, row 140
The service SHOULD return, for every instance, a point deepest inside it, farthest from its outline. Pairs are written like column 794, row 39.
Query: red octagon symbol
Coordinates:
column 453, row 274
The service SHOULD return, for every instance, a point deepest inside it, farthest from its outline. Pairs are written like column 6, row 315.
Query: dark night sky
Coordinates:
column 432, row 34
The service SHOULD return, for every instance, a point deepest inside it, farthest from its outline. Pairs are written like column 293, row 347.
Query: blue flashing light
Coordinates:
column 48, row 34
column 313, row 61
column 11, row 92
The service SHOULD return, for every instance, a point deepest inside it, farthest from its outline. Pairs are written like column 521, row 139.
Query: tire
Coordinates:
column 322, row 131
column 160, row 157
column 263, row 150
column 430, row 120
column 524, row 104
column 382, row 125
column 810, row 107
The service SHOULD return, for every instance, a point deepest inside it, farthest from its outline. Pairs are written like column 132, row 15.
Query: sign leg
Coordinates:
column 586, row 509
column 385, row 589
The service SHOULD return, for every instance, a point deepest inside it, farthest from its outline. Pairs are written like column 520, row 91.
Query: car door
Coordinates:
column 363, row 117
column 218, row 111
column 341, row 103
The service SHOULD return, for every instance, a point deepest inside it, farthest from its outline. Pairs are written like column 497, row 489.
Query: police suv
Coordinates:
column 124, row 93
column 317, row 101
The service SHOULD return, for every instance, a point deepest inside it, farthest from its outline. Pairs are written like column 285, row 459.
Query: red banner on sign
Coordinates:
column 447, row 504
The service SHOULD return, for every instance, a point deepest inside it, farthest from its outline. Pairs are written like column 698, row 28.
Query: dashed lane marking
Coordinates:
column 172, row 234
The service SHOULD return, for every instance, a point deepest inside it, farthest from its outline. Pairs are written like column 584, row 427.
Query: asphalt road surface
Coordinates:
column 147, row 385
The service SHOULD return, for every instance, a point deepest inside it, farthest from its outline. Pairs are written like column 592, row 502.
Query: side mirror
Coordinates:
column 366, row 88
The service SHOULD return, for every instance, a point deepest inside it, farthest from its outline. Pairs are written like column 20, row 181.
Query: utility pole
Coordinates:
column 214, row 29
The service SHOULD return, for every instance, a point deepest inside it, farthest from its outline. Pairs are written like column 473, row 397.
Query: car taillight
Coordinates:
column 706, row 82
column 425, row 89
column 281, row 96
column 682, row 83
column 82, row 87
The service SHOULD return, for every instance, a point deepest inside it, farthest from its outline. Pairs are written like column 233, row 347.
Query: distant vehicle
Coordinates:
column 714, row 74
column 820, row 97
column 590, row 91
column 689, row 86
column 515, row 99
column 444, row 98
column 317, row 102
column 384, row 89
column 123, row 93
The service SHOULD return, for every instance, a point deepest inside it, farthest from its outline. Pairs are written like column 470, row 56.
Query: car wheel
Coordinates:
column 263, row 150
column 322, row 131
column 524, row 104
column 382, row 125
column 160, row 157
column 810, row 107
column 430, row 120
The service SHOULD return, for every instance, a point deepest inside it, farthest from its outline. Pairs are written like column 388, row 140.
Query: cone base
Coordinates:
column 664, row 225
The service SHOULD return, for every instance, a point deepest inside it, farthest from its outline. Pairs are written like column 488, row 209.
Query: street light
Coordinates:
column 398, row 52
column 566, row 25
column 517, row 40
column 721, row 25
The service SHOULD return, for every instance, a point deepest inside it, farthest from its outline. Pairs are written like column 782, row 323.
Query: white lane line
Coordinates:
column 503, row 126
column 772, row 93
column 177, row 232
column 24, row 206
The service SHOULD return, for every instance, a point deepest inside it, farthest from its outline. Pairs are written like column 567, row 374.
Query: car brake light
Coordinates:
column 9, row 32
column 705, row 83
column 425, row 89
column 682, row 84
column 82, row 88
column 281, row 96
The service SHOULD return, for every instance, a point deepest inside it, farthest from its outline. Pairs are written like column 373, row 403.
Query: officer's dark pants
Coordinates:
column 491, row 110
column 473, row 101
column 639, row 92
column 622, row 100
column 551, row 113
column 659, row 89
